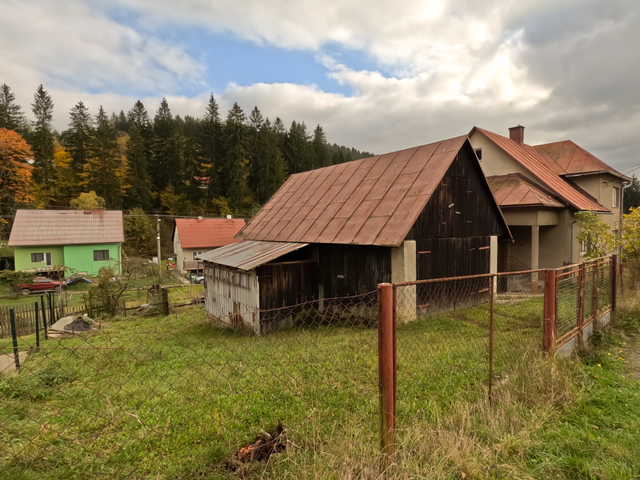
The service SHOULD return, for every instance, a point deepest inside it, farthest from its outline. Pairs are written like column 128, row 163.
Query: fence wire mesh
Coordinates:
column 444, row 344
column 177, row 397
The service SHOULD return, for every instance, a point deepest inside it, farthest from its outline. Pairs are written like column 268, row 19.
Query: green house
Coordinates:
column 81, row 240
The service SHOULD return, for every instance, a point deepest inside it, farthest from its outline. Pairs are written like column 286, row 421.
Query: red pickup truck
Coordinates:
column 40, row 284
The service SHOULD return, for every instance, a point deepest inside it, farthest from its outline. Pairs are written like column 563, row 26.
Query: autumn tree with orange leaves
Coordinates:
column 15, row 173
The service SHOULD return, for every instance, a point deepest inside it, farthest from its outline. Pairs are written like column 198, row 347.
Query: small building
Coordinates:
column 83, row 241
column 193, row 237
column 539, row 189
column 421, row 213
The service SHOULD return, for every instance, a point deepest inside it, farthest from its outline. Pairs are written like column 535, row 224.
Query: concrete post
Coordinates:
column 403, row 269
column 535, row 250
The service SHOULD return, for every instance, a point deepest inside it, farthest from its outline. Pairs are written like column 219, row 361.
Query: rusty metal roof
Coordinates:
column 372, row 201
column 208, row 232
column 515, row 190
column 66, row 227
column 566, row 158
column 248, row 254
column 527, row 156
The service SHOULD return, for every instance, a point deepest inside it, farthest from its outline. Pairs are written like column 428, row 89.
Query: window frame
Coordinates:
column 478, row 152
column 615, row 196
column 100, row 259
column 194, row 255
column 37, row 261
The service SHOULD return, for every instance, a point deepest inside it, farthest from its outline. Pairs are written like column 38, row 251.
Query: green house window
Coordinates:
column 100, row 255
column 37, row 257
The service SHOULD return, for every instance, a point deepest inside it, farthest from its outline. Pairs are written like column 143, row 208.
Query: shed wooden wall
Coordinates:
column 474, row 211
column 235, row 302
column 287, row 283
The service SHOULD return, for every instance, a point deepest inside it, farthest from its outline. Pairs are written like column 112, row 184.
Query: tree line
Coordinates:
column 207, row 166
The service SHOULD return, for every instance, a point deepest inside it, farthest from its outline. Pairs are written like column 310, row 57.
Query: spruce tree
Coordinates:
column 296, row 149
column 11, row 115
column 268, row 168
column 212, row 147
column 79, row 138
column 41, row 139
column 238, row 163
column 320, row 150
column 139, row 155
column 106, row 170
column 166, row 164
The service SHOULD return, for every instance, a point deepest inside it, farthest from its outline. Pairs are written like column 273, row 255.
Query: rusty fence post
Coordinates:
column 594, row 295
column 491, row 304
column 550, row 308
column 614, row 284
column 582, row 281
column 386, row 373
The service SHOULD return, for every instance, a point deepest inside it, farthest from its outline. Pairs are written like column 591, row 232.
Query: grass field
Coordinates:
column 172, row 397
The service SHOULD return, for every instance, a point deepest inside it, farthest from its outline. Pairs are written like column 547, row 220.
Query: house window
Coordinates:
column 583, row 248
column 37, row 257
column 197, row 254
column 478, row 153
column 614, row 200
column 100, row 255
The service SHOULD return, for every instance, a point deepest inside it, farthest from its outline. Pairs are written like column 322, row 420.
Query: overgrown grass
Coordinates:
column 172, row 397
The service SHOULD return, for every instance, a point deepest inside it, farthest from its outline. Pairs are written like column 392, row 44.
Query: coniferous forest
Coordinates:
column 214, row 165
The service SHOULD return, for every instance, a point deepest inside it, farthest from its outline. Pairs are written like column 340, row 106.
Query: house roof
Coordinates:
column 515, row 190
column 527, row 156
column 371, row 201
column 567, row 158
column 249, row 254
column 208, row 232
column 66, row 227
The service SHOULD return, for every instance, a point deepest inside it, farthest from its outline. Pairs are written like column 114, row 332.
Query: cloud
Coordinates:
column 564, row 69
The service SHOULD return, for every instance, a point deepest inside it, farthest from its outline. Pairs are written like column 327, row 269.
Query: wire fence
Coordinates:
column 189, row 395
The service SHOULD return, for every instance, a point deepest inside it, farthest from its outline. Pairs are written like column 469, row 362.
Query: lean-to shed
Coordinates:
column 420, row 213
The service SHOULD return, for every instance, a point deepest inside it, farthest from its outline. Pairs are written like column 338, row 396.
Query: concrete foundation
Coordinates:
column 403, row 269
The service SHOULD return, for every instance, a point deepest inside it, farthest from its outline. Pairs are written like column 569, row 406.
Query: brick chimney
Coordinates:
column 517, row 133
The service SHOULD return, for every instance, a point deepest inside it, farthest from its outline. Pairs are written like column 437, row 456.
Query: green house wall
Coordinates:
column 78, row 258
column 22, row 256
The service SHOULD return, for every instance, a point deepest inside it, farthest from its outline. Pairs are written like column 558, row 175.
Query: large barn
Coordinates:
column 420, row 213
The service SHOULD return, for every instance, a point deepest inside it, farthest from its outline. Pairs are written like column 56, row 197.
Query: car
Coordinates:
column 198, row 280
column 40, row 284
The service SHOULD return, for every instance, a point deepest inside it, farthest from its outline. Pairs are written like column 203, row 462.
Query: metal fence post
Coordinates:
column 14, row 338
column 386, row 373
column 614, row 283
column 550, row 305
column 594, row 296
column 582, row 280
column 491, row 304
column 37, row 309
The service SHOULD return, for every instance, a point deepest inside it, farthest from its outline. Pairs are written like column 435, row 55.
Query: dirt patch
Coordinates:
column 631, row 355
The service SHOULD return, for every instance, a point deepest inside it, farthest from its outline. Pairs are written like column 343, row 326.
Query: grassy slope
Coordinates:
column 173, row 398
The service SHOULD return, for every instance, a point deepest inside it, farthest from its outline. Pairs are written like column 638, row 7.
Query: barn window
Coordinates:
column 478, row 153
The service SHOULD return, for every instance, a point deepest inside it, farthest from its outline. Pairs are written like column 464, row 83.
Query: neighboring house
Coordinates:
column 81, row 240
column 425, row 212
column 539, row 189
column 193, row 237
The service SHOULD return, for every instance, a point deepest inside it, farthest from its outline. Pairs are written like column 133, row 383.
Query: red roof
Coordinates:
column 515, row 190
column 371, row 201
column 208, row 232
column 566, row 158
column 527, row 156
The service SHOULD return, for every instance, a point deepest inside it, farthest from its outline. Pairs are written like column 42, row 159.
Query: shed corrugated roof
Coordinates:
column 515, row 190
column 66, row 227
column 527, row 156
column 568, row 158
column 372, row 201
column 249, row 254
column 208, row 232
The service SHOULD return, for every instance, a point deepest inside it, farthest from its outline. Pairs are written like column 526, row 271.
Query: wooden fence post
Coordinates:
column 594, row 295
column 44, row 317
column 14, row 338
column 37, row 310
column 386, row 373
column 550, row 308
column 614, row 283
column 582, row 280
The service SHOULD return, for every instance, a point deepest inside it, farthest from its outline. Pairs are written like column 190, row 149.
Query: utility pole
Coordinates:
column 159, row 251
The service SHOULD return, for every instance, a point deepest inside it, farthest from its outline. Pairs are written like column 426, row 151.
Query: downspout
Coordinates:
column 571, row 254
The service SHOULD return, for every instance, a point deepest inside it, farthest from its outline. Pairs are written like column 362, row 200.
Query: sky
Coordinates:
column 377, row 75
